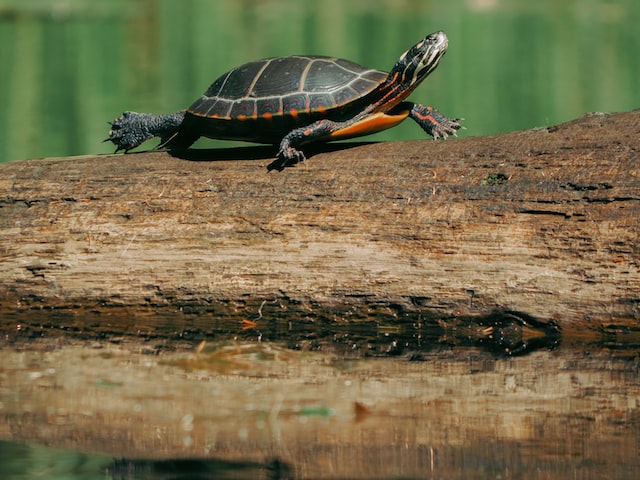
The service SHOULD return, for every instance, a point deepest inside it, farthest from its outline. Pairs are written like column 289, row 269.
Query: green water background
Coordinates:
column 69, row 66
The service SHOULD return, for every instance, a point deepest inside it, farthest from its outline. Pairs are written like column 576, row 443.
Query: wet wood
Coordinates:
column 543, row 222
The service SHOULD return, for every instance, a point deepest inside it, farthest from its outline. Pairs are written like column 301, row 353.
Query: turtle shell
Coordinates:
column 264, row 100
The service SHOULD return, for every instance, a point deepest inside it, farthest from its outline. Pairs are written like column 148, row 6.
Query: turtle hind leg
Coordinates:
column 433, row 122
column 131, row 129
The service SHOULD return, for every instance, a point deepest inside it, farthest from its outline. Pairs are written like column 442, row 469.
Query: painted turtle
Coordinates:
column 297, row 100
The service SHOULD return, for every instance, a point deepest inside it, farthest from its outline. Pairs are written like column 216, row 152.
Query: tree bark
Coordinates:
column 543, row 222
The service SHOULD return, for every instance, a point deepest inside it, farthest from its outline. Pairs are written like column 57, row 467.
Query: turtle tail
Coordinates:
column 176, row 140
column 132, row 129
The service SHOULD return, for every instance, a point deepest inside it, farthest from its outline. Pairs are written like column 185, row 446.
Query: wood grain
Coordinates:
column 543, row 221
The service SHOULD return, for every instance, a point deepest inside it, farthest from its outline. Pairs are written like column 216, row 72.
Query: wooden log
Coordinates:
column 543, row 222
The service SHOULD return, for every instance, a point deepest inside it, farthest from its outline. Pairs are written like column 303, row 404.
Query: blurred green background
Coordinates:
column 69, row 66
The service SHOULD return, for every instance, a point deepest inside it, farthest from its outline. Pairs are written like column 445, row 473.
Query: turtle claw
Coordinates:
column 110, row 139
column 287, row 157
column 445, row 127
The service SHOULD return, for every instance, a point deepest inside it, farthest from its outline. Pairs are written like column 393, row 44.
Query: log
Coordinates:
column 540, row 225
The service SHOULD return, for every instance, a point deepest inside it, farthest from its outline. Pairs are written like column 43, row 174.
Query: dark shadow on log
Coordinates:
column 196, row 468
column 501, row 333
column 262, row 152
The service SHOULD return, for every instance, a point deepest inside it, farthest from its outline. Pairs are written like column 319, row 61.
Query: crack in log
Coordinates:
column 610, row 199
column 582, row 188
column 531, row 211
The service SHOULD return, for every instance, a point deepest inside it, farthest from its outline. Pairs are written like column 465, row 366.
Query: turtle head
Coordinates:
column 420, row 60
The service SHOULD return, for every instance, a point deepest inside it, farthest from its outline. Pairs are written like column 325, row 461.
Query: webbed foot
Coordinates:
column 435, row 123
column 128, row 131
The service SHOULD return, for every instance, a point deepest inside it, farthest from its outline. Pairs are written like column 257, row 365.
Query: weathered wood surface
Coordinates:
column 544, row 221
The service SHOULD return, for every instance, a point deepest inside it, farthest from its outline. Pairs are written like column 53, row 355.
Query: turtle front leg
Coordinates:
column 289, row 153
column 433, row 122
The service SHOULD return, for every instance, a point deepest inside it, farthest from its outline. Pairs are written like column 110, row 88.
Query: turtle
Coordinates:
column 296, row 100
